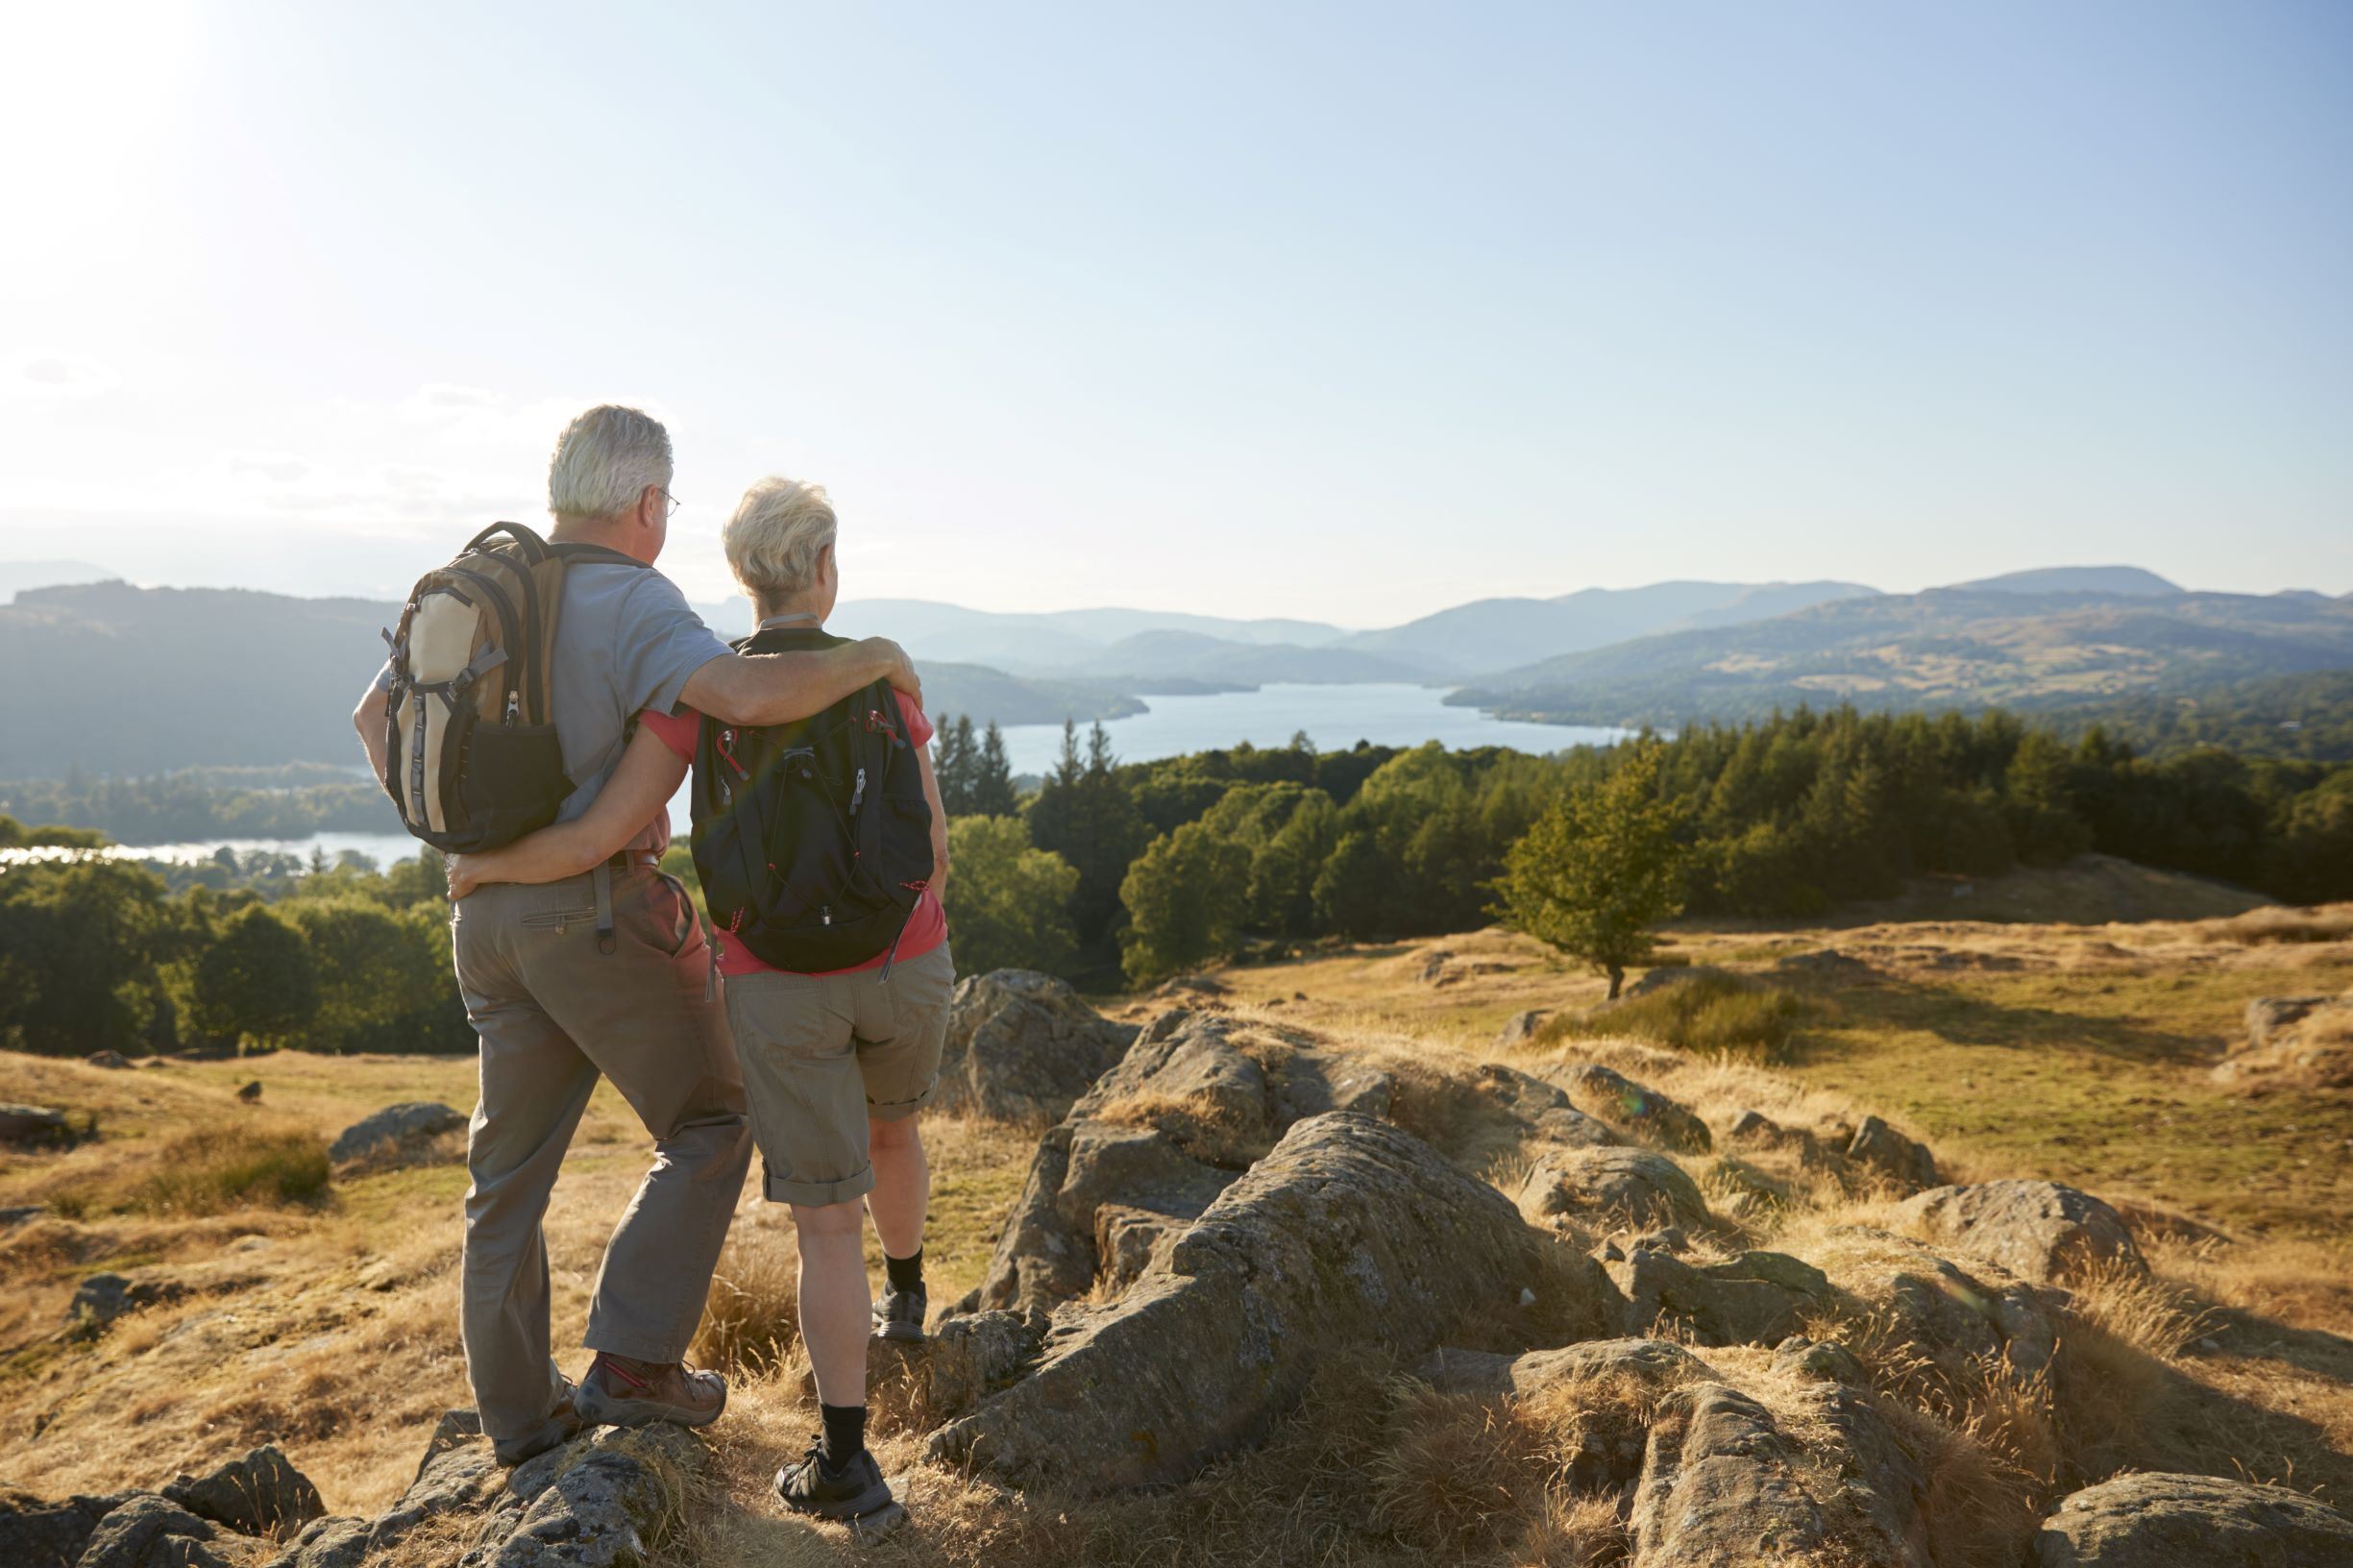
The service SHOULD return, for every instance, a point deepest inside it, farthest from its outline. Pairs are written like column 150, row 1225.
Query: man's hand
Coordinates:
column 901, row 672
column 936, row 884
column 464, row 876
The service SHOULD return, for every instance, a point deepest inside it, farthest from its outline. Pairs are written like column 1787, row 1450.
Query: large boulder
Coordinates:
column 2158, row 1520
column 397, row 1133
column 1349, row 1237
column 2037, row 1229
column 33, row 1126
column 261, row 1493
column 1610, row 1188
column 1022, row 1045
column 1635, row 1109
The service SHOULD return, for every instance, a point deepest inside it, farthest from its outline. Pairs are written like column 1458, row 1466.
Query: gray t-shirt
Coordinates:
column 625, row 640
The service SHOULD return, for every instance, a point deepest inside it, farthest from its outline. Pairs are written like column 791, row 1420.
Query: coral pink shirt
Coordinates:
column 926, row 927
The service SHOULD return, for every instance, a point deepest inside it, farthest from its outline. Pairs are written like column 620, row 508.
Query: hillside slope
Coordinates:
column 1190, row 1297
column 112, row 678
column 1944, row 647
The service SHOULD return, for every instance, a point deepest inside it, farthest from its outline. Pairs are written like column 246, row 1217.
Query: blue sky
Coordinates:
column 1346, row 312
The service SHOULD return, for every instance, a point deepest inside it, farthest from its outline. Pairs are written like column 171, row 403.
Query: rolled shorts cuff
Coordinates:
column 901, row 1110
column 779, row 1188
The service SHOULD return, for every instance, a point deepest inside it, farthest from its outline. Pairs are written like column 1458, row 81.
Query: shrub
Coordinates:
column 1709, row 1013
column 216, row 1168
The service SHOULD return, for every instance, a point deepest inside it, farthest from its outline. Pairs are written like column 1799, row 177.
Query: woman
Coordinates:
column 836, row 1066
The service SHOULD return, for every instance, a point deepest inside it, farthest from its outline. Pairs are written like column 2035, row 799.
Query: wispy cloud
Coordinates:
column 58, row 378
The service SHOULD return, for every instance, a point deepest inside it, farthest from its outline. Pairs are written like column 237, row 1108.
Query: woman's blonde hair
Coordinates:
column 780, row 529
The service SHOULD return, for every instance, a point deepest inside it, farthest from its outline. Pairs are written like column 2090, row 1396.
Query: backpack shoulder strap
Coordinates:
column 573, row 550
column 534, row 548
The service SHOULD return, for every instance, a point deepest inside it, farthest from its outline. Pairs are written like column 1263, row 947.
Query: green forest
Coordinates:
column 1116, row 873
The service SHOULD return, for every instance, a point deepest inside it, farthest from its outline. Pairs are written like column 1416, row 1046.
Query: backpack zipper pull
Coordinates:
column 857, row 793
column 824, row 913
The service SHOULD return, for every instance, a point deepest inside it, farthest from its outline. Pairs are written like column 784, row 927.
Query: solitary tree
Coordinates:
column 1599, row 869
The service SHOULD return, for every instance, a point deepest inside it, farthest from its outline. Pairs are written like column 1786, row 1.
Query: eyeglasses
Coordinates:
column 673, row 502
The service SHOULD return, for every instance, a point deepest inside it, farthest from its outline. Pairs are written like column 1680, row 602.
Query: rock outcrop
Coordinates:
column 593, row 1503
column 1637, row 1110
column 1610, row 1188
column 1757, row 1298
column 2038, row 1231
column 34, row 1126
column 1145, row 1150
column 1022, row 1045
column 38, row 1534
column 1349, row 1237
column 260, row 1494
column 398, row 1133
column 1880, row 1149
column 2156, row 1520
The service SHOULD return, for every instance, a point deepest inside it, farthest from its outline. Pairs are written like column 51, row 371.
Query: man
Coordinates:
column 555, row 1006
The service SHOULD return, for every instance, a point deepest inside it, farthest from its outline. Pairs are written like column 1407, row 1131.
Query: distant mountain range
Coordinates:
column 142, row 678
column 1970, row 646
column 1490, row 634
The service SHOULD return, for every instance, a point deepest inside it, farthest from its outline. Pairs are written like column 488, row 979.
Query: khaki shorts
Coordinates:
column 823, row 1052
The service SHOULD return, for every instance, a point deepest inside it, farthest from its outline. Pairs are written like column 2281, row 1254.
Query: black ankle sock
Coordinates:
column 905, row 1273
column 844, row 1433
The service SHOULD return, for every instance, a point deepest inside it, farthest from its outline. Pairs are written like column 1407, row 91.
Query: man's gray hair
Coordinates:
column 780, row 529
column 604, row 460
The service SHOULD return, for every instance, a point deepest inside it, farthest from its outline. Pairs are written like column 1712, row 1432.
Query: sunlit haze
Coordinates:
column 1346, row 312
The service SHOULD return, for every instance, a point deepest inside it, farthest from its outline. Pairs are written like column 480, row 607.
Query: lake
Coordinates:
column 1334, row 718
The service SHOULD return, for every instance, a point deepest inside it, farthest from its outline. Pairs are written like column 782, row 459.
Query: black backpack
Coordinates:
column 472, row 758
column 813, row 838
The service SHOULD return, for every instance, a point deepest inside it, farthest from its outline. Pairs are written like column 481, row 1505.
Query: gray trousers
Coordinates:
column 553, row 1013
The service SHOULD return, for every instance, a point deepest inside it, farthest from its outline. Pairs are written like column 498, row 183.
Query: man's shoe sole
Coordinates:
column 557, row 1431
column 871, row 1509
column 602, row 1411
column 906, row 1333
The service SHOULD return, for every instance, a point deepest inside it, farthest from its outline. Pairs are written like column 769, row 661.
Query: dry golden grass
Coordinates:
column 2073, row 1052
column 2280, row 923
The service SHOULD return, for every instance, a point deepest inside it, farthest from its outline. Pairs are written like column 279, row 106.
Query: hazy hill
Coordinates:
column 15, row 576
column 1215, row 659
column 1944, row 647
column 2076, row 579
column 113, row 678
column 1503, row 633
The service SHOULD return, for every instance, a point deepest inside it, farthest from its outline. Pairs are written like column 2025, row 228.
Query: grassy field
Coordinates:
column 322, row 1316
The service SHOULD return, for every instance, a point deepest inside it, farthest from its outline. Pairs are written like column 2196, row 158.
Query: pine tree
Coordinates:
column 952, row 762
column 993, row 790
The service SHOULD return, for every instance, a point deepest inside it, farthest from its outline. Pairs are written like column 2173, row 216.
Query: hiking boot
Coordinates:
column 621, row 1392
column 562, row 1425
column 856, row 1494
column 899, row 1315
